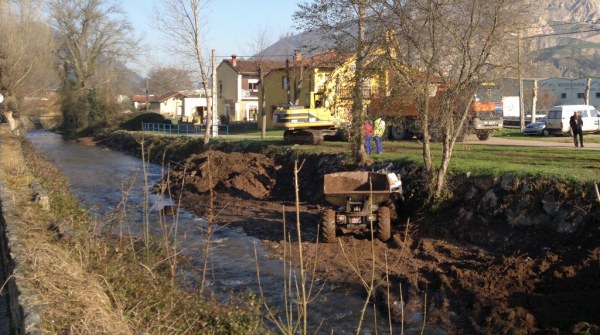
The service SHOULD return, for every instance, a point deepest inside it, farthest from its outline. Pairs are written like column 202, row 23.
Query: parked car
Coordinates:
column 557, row 120
column 537, row 128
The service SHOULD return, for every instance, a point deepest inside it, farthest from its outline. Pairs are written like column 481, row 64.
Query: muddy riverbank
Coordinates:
column 503, row 255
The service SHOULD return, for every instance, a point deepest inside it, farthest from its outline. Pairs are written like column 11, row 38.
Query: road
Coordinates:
column 546, row 142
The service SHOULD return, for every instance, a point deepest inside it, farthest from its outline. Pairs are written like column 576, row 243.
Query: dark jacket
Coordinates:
column 576, row 124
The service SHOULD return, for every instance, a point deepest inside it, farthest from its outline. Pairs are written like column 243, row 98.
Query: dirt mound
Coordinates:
column 503, row 255
column 246, row 175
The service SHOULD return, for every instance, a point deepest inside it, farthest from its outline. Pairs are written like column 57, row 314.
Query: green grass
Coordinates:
column 566, row 164
column 579, row 166
column 516, row 134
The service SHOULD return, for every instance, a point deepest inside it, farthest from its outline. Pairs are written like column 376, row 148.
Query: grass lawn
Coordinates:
column 579, row 166
column 516, row 134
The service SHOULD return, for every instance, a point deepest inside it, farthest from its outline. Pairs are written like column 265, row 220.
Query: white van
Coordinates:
column 557, row 120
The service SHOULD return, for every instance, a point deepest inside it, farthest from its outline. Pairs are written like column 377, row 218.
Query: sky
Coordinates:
column 231, row 27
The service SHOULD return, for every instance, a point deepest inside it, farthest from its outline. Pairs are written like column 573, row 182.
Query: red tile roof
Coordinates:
column 250, row 67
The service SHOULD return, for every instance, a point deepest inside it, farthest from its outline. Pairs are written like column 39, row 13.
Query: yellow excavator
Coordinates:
column 307, row 125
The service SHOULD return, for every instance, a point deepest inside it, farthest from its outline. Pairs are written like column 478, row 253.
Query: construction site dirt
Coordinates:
column 503, row 255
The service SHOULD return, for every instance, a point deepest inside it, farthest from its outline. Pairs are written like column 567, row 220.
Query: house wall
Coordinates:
column 335, row 84
column 169, row 108
column 275, row 94
column 191, row 107
column 228, row 90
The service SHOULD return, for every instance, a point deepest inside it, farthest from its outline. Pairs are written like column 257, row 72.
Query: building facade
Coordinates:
column 237, row 91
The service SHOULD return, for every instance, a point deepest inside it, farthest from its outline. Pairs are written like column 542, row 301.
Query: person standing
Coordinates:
column 378, row 131
column 576, row 124
column 368, row 135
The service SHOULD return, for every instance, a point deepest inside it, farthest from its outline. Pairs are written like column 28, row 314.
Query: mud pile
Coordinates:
column 503, row 255
column 246, row 175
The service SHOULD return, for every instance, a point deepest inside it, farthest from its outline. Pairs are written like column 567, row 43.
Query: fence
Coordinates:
column 184, row 128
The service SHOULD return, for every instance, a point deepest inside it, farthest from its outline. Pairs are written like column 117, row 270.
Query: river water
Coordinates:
column 99, row 176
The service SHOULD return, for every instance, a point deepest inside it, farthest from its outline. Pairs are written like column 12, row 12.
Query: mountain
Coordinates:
column 565, row 35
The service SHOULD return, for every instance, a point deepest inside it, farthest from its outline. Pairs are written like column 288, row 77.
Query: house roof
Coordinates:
column 141, row 98
column 249, row 67
column 329, row 59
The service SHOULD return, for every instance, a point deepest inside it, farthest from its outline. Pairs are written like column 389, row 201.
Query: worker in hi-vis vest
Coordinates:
column 378, row 130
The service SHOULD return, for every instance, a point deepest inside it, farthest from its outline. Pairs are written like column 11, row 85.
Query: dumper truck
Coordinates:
column 361, row 200
column 402, row 116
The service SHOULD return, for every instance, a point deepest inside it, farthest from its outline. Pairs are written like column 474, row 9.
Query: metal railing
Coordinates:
column 183, row 128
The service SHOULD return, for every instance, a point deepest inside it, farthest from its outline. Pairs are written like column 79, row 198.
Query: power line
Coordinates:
column 561, row 33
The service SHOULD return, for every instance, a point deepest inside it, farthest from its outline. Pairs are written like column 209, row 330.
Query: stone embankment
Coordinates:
column 21, row 315
column 47, row 288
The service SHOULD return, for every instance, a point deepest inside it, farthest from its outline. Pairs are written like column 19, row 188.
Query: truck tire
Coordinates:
column 328, row 226
column 482, row 135
column 287, row 136
column 384, row 229
column 398, row 132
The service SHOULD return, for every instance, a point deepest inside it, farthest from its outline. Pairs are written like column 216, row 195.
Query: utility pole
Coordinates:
column 521, row 104
column 215, row 116
column 147, row 102
column 534, row 101
column 287, row 78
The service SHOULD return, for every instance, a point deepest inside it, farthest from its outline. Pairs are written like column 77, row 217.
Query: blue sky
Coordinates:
column 231, row 27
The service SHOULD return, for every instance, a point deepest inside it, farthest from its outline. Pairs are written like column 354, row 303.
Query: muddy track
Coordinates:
column 503, row 256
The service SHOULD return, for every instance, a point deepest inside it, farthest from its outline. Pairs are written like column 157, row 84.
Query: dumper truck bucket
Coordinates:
column 340, row 186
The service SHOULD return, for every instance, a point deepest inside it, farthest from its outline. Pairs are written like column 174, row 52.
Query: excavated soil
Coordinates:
column 503, row 256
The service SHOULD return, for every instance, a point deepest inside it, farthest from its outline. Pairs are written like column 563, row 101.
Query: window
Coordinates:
column 253, row 84
column 580, row 95
column 583, row 113
column 563, row 95
column 597, row 94
column 220, row 89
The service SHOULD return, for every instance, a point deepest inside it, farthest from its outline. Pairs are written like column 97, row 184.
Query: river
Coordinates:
column 98, row 178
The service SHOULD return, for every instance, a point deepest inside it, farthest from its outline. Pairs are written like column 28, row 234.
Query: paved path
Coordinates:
column 546, row 142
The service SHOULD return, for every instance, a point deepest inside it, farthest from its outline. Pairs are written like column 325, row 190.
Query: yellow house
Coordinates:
column 168, row 104
column 324, row 80
column 237, row 91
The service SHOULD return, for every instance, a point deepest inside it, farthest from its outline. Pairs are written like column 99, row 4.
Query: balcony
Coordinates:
column 249, row 94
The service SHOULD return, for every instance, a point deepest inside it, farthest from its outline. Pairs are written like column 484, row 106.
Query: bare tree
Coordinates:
column 260, row 42
column 26, row 44
column 93, row 33
column 449, row 47
column 169, row 79
column 346, row 23
column 181, row 22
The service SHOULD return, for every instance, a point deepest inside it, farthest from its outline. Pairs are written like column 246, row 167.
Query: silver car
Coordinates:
column 537, row 128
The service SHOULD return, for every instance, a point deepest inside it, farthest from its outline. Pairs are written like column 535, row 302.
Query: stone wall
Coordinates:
column 23, row 312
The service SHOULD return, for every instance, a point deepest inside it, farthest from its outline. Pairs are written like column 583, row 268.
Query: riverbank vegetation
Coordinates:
column 92, row 280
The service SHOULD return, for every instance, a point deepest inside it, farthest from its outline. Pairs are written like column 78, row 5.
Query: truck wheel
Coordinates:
column 287, row 136
column 398, row 132
column 383, row 224
column 328, row 226
column 483, row 135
